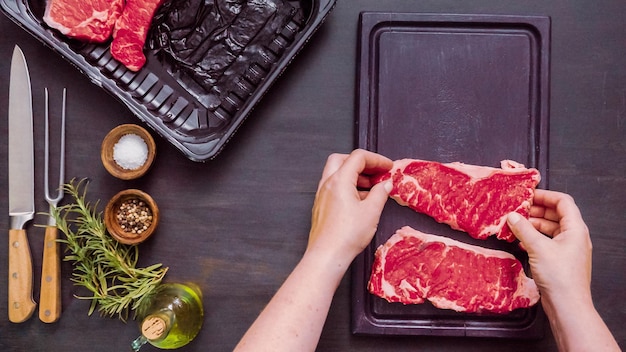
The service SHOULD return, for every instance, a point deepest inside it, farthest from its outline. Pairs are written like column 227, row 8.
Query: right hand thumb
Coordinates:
column 523, row 230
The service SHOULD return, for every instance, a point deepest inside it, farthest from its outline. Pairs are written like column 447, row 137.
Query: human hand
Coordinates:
column 347, row 208
column 560, row 261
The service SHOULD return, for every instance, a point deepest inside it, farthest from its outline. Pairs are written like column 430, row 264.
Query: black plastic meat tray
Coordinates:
column 469, row 88
column 198, row 119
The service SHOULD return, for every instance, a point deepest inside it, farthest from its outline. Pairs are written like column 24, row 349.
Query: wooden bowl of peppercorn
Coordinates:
column 131, row 216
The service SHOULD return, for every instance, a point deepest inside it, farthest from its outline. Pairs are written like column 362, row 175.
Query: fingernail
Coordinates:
column 388, row 186
column 513, row 218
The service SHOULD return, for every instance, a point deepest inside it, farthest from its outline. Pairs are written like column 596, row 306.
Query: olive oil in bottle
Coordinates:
column 171, row 317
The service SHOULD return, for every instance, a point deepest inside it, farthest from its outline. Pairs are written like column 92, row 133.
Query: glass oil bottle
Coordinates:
column 171, row 317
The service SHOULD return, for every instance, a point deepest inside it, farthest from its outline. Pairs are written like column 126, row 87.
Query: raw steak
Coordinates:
column 130, row 32
column 412, row 267
column 83, row 20
column 474, row 199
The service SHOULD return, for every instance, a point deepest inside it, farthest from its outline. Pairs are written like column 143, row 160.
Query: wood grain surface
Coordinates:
column 237, row 225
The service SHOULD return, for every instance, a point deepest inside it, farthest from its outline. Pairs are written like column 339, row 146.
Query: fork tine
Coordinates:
column 46, row 146
column 62, row 158
column 59, row 195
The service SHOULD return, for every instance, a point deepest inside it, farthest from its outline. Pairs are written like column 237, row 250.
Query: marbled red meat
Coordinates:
column 91, row 21
column 474, row 199
column 412, row 267
column 130, row 32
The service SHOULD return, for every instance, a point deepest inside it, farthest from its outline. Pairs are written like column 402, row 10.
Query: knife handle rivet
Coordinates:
column 47, row 312
column 14, row 275
column 48, row 278
column 16, row 305
column 16, row 244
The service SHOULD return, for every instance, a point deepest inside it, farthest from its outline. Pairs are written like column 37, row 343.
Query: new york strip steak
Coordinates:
column 90, row 21
column 130, row 32
column 412, row 267
column 127, row 21
column 469, row 198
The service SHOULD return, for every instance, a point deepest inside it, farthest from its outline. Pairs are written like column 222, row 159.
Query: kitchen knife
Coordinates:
column 21, row 190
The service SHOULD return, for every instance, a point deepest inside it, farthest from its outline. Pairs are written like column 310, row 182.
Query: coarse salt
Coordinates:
column 130, row 152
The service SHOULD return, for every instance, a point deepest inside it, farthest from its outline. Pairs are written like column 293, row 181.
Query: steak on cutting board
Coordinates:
column 90, row 21
column 470, row 198
column 412, row 267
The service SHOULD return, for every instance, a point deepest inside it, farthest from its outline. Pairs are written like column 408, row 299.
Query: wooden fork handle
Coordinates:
column 50, row 296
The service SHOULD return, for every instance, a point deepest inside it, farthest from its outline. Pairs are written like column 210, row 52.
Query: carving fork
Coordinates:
column 50, row 297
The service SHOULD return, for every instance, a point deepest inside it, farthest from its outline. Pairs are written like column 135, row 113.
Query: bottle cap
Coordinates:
column 153, row 327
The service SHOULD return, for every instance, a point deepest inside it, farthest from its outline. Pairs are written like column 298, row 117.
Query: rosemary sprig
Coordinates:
column 102, row 265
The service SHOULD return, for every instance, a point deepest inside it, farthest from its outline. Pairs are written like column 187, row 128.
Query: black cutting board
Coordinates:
column 449, row 87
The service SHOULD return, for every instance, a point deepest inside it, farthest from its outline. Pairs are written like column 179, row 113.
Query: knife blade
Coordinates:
column 21, row 190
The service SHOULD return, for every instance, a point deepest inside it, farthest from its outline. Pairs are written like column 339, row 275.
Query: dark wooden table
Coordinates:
column 238, row 224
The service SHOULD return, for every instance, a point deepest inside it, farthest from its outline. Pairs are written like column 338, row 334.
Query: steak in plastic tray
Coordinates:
column 198, row 84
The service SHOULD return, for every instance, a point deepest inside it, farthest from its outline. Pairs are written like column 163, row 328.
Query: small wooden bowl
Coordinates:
column 109, row 142
column 113, row 225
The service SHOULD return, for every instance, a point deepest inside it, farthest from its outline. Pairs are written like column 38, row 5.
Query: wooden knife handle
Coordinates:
column 21, row 304
column 50, row 296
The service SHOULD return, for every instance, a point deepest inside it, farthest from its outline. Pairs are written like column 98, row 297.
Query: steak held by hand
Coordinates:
column 412, row 267
column 474, row 199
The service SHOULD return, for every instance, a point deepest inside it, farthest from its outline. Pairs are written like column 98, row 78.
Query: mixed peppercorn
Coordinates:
column 134, row 216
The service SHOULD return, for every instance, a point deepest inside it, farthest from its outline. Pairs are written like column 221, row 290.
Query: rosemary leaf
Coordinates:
column 103, row 266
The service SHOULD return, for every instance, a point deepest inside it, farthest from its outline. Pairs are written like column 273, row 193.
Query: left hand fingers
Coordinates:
column 333, row 163
column 356, row 165
column 363, row 162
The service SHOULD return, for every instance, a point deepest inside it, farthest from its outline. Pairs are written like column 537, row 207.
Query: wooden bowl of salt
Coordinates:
column 128, row 151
